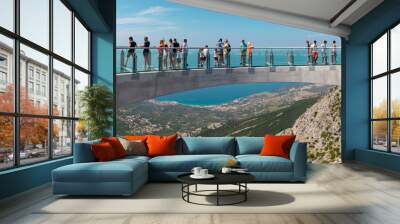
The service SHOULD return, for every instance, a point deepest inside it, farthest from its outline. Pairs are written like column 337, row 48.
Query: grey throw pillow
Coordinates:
column 136, row 148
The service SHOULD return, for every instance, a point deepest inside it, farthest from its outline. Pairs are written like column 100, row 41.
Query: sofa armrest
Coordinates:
column 83, row 152
column 298, row 155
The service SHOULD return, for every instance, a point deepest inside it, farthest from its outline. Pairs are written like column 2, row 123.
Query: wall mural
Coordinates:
column 310, row 111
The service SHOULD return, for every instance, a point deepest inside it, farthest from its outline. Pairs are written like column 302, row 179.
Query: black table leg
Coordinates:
column 217, row 194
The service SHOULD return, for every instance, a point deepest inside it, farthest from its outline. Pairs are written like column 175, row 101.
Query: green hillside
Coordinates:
column 259, row 125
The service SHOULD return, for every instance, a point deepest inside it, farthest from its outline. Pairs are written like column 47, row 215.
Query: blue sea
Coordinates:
column 224, row 94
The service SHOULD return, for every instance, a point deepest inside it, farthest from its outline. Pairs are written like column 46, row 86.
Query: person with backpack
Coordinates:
column 243, row 50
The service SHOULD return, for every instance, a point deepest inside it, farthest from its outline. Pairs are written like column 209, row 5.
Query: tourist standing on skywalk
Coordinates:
column 324, row 53
column 333, row 53
column 309, row 53
column 227, row 52
column 250, row 53
column 243, row 50
column 131, row 51
column 185, row 50
column 314, row 51
column 146, row 53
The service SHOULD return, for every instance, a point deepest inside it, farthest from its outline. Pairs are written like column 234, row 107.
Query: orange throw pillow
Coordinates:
column 116, row 145
column 161, row 145
column 277, row 145
column 142, row 138
column 103, row 152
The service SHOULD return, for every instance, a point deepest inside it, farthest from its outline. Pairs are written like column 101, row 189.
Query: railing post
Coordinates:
column 185, row 54
column 208, row 61
column 290, row 57
column 134, row 63
column 121, row 59
column 271, row 58
column 228, row 59
column 198, row 59
column 160, row 60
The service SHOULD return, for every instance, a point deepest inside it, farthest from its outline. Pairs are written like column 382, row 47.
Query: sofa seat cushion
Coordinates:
column 185, row 163
column 257, row 163
column 112, row 171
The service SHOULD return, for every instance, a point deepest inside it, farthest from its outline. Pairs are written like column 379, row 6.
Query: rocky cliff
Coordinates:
column 320, row 128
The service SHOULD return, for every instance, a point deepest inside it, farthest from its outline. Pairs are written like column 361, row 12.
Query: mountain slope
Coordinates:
column 320, row 127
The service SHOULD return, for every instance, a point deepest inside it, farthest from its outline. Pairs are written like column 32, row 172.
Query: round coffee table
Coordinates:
column 238, row 179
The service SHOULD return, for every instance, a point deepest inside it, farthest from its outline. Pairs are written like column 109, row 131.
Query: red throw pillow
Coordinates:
column 103, row 152
column 116, row 145
column 161, row 145
column 277, row 145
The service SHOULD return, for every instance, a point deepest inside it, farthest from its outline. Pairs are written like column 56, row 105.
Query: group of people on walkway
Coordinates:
column 174, row 55
column 171, row 53
column 312, row 52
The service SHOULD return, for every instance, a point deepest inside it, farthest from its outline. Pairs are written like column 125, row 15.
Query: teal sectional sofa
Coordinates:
column 125, row 176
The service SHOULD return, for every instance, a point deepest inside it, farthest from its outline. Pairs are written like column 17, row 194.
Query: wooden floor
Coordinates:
column 379, row 189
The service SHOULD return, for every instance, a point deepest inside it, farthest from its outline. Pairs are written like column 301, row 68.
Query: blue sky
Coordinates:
column 162, row 19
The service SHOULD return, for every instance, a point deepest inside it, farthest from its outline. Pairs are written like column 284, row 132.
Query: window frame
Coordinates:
column 388, row 74
column 16, row 113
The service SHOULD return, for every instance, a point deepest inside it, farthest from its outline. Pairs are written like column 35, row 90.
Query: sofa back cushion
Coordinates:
column 83, row 152
column 207, row 145
column 249, row 145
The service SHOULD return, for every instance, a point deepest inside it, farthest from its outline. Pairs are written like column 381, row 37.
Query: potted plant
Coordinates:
column 96, row 102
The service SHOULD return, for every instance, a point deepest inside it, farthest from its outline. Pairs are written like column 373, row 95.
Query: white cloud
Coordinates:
column 154, row 10
column 146, row 16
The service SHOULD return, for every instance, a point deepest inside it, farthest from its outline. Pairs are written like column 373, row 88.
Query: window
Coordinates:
column 62, row 137
column 81, row 82
column 385, row 94
column 61, row 75
column 46, row 74
column 35, row 21
column 7, row 14
column 3, row 78
column 6, row 142
column 81, row 45
column 62, row 29
column 30, row 87
column 6, row 74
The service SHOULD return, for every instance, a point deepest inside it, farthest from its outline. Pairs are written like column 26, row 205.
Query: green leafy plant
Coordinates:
column 96, row 102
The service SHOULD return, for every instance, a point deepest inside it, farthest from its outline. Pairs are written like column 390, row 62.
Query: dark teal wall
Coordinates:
column 356, row 83
column 24, row 178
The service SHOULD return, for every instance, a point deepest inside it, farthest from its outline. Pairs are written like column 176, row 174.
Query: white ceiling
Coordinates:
column 325, row 16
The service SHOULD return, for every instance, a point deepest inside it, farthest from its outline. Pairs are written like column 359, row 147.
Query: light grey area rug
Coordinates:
column 166, row 198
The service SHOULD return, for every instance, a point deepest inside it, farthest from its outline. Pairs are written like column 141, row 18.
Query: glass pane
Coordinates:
column 379, row 135
column 34, row 97
column 35, row 21
column 81, row 45
column 81, row 81
column 7, row 14
column 395, row 47
column 395, row 94
column 379, row 97
column 6, row 142
column 62, row 29
column 379, row 56
column 6, row 74
column 62, row 89
column 81, row 131
column 33, row 139
column 62, row 138
column 395, row 136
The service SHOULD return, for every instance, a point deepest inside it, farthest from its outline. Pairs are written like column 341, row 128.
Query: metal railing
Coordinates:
column 133, row 60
